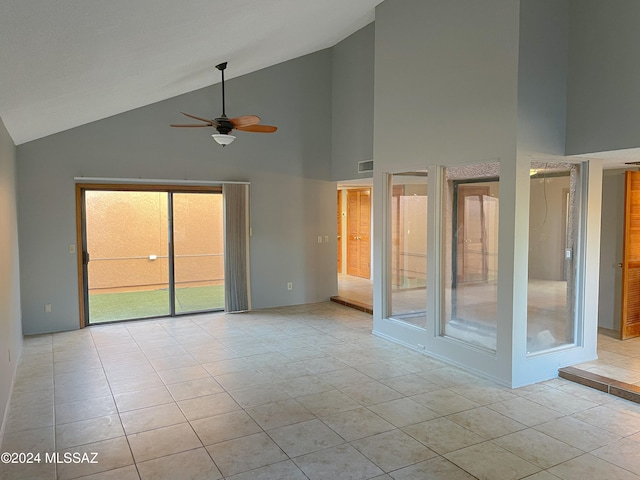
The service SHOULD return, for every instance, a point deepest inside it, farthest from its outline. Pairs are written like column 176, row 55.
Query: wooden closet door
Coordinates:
column 359, row 232
column 339, row 231
column 630, row 321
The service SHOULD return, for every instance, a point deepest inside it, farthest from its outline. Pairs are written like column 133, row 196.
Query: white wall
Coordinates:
column 292, row 197
column 10, row 315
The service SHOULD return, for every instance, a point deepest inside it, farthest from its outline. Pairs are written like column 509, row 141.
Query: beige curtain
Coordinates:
column 237, row 295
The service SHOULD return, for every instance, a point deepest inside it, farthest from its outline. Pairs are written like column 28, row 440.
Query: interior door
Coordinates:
column 630, row 318
column 359, row 232
column 471, row 239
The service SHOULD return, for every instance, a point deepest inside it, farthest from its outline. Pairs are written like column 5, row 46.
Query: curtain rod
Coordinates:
column 153, row 181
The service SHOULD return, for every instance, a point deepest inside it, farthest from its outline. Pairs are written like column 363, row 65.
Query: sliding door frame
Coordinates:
column 81, row 240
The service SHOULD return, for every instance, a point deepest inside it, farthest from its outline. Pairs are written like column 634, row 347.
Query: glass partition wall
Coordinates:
column 447, row 303
column 408, row 270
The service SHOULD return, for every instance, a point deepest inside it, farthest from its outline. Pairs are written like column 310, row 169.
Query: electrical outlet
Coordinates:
column 326, row 239
column 72, row 248
column 289, row 286
column 319, row 238
column 47, row 308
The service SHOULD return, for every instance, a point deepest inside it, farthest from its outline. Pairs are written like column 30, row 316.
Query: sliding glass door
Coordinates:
column 198, row 252
column 151, row 253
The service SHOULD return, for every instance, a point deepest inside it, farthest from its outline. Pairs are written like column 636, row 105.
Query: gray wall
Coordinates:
column 446, row 88
column 611, row 239
column 445, row 81
column 292, row 197
column 352, row 101
column 604, row 74
column 10, row 326
column 542, row 76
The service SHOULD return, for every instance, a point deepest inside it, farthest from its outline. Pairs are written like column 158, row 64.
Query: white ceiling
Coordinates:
column 64, row 63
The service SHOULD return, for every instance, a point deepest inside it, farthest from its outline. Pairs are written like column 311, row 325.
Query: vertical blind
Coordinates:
column 237, row 294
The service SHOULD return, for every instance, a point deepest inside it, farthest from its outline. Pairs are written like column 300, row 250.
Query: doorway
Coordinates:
column 150, row 252
column 354, row 244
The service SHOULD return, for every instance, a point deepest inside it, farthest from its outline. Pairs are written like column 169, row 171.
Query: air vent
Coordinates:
column 365, row 166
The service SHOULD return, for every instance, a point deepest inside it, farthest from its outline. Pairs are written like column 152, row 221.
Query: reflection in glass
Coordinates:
column 553, row 227
column 408, row 273
column 470, row 254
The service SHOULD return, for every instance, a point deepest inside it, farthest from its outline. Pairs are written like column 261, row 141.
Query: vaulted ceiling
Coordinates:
column 65, row 63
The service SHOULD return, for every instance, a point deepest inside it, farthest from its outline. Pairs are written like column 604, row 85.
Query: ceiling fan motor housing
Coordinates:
column 224, row 125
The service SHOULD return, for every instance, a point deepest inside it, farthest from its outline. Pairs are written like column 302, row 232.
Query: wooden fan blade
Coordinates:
column 258, row 128
column 210, row 122
column 244, row 121
column 191, row 125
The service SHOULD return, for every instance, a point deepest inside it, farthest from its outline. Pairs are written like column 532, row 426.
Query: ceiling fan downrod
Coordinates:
column 222, row 66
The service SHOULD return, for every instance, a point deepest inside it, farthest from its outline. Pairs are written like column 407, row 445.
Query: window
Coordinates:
column 408, row 273
column 554, row 209
column 470, row 254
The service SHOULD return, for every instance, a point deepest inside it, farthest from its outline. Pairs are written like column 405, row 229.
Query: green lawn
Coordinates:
column 108, row 307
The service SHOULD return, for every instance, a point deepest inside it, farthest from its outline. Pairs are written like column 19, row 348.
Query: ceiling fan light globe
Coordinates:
column 223, row 140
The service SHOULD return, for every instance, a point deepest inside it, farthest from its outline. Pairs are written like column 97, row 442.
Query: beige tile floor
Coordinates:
column 296, row 393
column 355, row 288
column 619, row 360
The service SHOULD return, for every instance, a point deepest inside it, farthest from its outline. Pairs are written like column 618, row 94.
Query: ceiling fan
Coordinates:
column 224, row 125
